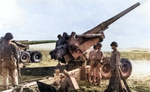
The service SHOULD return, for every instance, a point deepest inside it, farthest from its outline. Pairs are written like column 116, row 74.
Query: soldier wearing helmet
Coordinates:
column 58, row 41
column 115, row 56
column 95, row 58
column 9, row 53
column 59, row 36
column 115, row 84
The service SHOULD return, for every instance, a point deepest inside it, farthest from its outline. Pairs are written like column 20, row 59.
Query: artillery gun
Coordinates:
column 71, row 48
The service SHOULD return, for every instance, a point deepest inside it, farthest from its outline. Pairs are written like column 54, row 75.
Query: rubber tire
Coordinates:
column 106, row 71
column 25, row 57
column 36, row 56
column 126, row 67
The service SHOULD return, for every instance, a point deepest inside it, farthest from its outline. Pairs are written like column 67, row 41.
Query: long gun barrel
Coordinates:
column 104, row 25
column 89, row 36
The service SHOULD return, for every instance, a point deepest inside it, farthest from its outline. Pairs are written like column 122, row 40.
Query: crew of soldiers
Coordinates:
column 9, row 54
column 95, row 58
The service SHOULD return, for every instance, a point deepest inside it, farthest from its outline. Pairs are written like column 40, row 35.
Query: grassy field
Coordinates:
column 136, row 55
column 133, row 55
column 46, row 61
column 134, row 85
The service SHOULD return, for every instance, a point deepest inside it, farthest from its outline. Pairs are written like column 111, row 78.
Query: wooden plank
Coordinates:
column 74, row 82
column 75, row 72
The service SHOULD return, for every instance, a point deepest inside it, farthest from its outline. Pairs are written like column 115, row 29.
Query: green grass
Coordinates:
column 133, row 55
column 86, row 86
column 136, row 55
column 138, row 85
column 48, row 62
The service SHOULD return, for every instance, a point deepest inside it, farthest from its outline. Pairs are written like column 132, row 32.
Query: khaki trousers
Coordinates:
column 95, row 69
column 9, row 69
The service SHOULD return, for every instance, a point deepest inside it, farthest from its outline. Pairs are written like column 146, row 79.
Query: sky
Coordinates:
column 45, row 19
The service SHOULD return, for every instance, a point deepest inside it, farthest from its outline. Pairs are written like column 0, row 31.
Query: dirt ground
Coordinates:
column 139, row 81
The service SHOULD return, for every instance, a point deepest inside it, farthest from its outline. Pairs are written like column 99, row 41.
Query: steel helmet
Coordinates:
column 8, row 36
column 114, row 44
column 99, row 44
column 59, row 36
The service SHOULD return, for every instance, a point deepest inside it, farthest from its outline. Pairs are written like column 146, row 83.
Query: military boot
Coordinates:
column 5, row 87
column 94, row 79
column 89, row 79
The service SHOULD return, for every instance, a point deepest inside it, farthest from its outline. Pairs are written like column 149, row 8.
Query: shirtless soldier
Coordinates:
column 95, row 63
column 9, row 56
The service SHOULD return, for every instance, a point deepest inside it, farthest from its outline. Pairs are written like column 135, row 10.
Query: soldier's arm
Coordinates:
column 118, row 58
column 102, row 55
column 16, row 51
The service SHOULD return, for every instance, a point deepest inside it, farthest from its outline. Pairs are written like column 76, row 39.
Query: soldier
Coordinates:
column 115, row 84
column 58, row 42
column 95, row 63
column 9, row 56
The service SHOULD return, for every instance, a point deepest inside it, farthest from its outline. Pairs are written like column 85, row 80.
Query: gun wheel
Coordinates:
column 25, row 57
column 106, row 71
column 36, row 56
column 126, row 67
